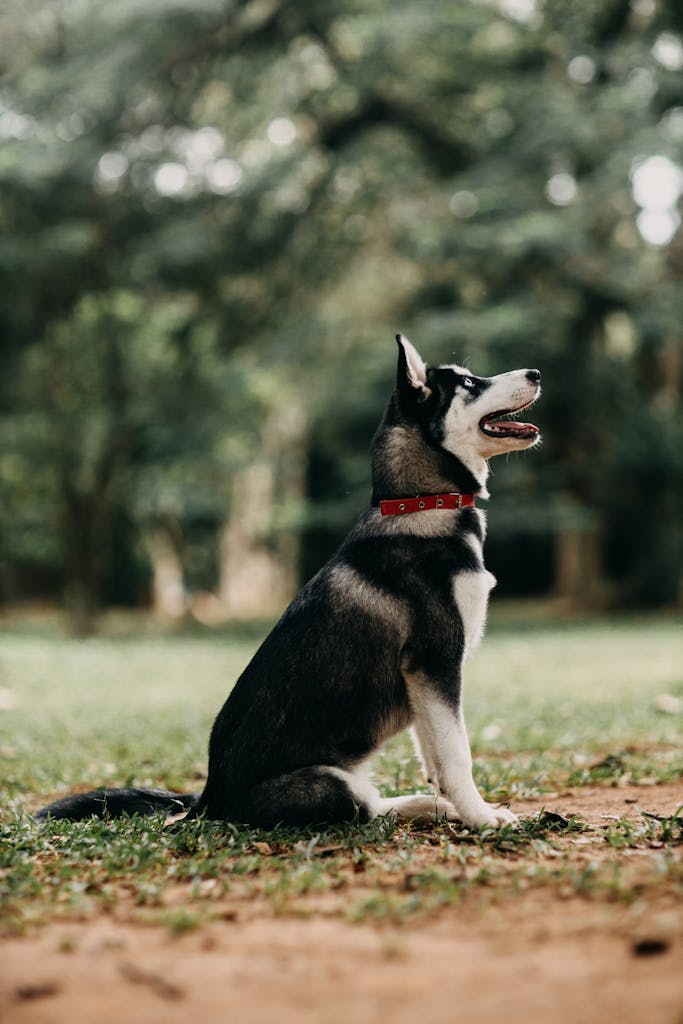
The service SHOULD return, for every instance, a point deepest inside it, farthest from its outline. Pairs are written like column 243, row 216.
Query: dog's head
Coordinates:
column 466, row 415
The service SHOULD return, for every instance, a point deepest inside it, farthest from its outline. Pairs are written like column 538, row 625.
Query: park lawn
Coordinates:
column 557, row 712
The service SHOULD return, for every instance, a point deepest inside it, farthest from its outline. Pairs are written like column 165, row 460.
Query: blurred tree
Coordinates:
column 269, row 189
column 108, row 412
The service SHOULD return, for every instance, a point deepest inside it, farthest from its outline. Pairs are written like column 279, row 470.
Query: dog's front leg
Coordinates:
column 440, row 728
column 424, row 757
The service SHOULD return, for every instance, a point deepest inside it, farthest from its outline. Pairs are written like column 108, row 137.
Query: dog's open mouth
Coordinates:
column 501, row 424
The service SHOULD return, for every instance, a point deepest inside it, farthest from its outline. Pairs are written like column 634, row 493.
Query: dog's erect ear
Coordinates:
column 412, row 369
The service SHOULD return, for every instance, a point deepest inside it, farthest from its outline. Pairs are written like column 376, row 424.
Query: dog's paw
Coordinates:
column 503, row 816
column 490, row 816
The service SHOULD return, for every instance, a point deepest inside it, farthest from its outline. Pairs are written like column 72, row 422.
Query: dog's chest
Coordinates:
column 471, row 589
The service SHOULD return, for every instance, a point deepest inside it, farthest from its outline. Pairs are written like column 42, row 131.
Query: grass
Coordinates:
column 555, row 706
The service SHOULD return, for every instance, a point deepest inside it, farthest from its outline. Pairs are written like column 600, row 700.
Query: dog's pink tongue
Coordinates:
column 525, row 427
column 513, row 427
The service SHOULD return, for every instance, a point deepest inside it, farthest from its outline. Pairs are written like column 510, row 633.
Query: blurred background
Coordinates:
column 214, row 217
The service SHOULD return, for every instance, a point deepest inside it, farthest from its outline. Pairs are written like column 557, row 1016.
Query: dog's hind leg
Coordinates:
column 410, row 807
column 327, row 795
column 309, row 796
column 417, row 807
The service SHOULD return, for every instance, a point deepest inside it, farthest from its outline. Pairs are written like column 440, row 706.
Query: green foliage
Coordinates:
column 209, row 212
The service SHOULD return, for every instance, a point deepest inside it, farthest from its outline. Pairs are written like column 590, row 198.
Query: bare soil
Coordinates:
column 507, row 955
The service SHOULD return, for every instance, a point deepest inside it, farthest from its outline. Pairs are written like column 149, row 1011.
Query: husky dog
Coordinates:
column 375, row 642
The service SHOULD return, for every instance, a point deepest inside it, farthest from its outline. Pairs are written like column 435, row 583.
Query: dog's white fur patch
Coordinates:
column 363, row 792
column 417, row 807
column 462, row 370
column 462, row 435
column 471, row 594
column 411, row 807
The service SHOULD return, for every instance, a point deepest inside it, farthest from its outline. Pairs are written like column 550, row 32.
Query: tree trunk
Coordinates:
column 259, row 553
column 670, row 374
column 579, row 578
column 169, row 599
column 82, row 534
column 83, row 606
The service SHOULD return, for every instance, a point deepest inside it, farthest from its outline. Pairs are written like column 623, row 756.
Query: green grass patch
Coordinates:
column 560, row 705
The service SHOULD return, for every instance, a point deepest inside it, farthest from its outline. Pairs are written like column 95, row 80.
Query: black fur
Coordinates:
column 113, row 803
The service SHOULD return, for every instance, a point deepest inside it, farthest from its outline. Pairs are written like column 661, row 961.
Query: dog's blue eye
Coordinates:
column 468, row 382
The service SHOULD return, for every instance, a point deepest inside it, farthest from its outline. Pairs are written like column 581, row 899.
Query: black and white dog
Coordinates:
column 376, row 641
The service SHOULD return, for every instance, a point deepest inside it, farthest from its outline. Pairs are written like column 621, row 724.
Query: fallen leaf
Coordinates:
column 263, row 848
column 172, row 818
column 553, row 820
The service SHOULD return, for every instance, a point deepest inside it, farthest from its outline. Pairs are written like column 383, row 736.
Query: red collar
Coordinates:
column 403, row 506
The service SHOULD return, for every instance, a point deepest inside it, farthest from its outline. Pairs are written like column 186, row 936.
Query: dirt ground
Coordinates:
column 525, row 956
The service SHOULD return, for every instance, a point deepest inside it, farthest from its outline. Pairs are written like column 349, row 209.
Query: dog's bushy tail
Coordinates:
column 113, row 803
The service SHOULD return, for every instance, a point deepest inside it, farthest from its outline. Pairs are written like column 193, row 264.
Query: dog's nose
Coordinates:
column 534, row 376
